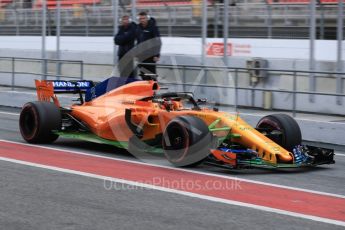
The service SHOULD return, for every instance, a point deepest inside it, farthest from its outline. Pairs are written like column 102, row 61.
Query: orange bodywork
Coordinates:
column 45, row 92
column 105, row 116
column 229, row 158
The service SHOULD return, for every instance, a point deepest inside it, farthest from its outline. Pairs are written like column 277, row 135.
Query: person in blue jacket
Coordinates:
column 148, row 44
column 125, row 39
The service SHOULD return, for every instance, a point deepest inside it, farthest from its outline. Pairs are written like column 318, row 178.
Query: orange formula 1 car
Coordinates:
column 138, row 117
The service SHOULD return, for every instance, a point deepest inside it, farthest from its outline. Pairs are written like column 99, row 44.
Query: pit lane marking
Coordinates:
column 297, row 118
column 8, row 113
column 179, row 192
column 184, row 170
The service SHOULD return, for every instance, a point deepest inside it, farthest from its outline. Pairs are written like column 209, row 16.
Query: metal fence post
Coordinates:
column 13, row 73
column 312, row 34
column 58, row 32
column 205, row 75
column 184, row 77
column 236, row 90
column 340, row 37
column 225, row 37
column 204, row 32
column 203, row 43
column 169, row 21
column 43, row 48
column 226, row 31
column 45, row 69
column 81, row 70
column 115, row 24
column 294, row 96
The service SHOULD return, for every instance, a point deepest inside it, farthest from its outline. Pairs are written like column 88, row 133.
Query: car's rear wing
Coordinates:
column 47, row 89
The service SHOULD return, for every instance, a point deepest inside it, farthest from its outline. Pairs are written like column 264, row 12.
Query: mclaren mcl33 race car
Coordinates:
column 137, row 116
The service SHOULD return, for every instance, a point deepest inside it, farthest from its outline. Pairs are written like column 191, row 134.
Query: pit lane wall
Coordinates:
column 325, row 50
column 281, row 54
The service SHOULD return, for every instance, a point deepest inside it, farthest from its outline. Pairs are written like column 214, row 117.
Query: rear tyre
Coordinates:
column 38, row 120
column 187, row 141
column 290, row 131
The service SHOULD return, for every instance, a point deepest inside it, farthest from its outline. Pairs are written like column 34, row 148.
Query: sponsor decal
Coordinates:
column 217, row 49
column 241, row 49
column 67, row 85
column 233, row 49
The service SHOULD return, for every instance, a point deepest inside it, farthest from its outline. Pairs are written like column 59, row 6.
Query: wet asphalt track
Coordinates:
column 33, row 198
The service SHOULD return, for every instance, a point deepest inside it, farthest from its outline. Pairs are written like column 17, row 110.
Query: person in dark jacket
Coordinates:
column 148, row 44
column 125, row 39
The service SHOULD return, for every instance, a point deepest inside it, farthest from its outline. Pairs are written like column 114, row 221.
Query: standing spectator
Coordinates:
column 125, row 39
column 148, row 44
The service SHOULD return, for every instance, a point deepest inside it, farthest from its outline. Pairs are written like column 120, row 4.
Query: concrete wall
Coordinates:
column 325, row 50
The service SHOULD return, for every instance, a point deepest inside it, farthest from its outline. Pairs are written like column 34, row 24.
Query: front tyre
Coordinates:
column 38, row 120
column 187, row 141
column 290, row 132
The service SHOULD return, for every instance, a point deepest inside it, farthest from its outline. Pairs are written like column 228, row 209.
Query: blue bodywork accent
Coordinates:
column 299, row 155
column 238, row 150
column 106, row 86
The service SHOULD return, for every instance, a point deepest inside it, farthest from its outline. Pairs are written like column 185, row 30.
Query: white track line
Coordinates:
column 297, row 118
column 189, row 194
column 18, row 92
column 184, row 170
column 8, row 113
